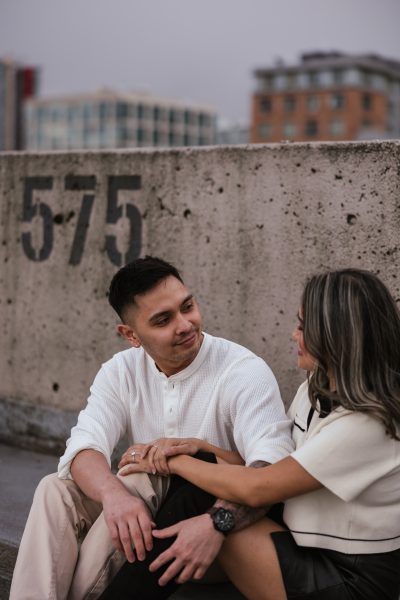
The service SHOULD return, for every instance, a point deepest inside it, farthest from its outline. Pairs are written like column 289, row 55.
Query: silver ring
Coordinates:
column 133, row 453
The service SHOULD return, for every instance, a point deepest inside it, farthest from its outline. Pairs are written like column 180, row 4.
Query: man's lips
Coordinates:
column 191, row 338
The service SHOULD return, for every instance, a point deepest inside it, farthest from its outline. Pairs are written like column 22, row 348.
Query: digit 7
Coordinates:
column 81, row 183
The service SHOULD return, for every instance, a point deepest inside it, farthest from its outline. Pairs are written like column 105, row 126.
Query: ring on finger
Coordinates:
column 133, row 454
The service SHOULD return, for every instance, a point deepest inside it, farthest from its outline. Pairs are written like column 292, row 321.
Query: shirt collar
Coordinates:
column 191, row 368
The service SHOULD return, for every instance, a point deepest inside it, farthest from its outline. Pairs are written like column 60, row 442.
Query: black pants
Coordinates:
column 134, row 581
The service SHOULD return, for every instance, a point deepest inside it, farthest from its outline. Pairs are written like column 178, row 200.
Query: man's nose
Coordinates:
column 183, row 324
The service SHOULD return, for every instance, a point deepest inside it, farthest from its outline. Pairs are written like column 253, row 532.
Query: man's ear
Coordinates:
column 127, row 332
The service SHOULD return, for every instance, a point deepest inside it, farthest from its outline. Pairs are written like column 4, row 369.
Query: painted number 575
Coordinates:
column 114, row 212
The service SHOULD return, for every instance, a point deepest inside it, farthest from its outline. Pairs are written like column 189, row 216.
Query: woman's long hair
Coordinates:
column 352, row 329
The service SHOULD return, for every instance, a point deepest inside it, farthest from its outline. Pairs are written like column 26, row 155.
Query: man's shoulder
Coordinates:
column 124, row 359
column 229, row 355
column 225, row 344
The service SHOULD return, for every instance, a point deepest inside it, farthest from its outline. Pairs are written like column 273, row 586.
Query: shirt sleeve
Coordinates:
column 347, row 453
column 261, row 429
column 102, row 423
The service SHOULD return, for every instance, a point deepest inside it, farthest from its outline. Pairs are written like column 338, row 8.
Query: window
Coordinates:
column 289, row 130
column 269, row 82
column 336, row 101
column 122, row 110
column 312, row 103
column 366, row 78
column 336, row 127
column 140, row 135
column 156, row 113
column 313, row 77
column 366, row 101
column 265, row 104
column 265, row 131
column 338, row 76
column 204, row 120
column 289, row 103
column 311, row 128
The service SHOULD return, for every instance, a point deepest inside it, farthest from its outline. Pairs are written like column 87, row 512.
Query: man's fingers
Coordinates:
column 167, row 532
column 146, row 527
column 137, row 539
column 186, row 574
column 199, row 573
column 162, row 559
column 173, row 570
column 115, row 536
column 126, row 542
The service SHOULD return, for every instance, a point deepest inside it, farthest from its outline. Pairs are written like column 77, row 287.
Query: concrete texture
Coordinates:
column 246, row 225
column 20, row 472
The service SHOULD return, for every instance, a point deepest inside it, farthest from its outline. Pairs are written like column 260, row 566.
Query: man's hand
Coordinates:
column 130, row 524
column 196, row 546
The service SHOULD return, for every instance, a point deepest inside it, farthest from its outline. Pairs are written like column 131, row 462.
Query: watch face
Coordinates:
column 224, row 520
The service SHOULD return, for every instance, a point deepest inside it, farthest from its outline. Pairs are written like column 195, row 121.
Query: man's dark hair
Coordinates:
column 138, row 277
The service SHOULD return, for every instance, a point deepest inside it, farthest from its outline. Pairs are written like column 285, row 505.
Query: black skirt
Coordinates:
column 318, row 574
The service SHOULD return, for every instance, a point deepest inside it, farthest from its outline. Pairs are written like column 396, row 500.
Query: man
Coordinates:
column 175, row 381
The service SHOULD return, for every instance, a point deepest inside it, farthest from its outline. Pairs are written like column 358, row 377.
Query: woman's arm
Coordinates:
column 193, row 445
column 153, row 457
column 254, row 487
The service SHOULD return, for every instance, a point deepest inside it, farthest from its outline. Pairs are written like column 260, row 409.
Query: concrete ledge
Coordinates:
column 35, row 427
column 20, row 472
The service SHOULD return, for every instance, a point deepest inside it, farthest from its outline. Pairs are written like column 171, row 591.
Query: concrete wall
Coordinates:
column 246, row 225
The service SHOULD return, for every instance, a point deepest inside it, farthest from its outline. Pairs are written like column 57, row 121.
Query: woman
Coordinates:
column 341, row 486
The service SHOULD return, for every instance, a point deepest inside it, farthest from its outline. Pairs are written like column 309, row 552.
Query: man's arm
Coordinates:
column 244, row 515
column 198, row 543
column 127, row 517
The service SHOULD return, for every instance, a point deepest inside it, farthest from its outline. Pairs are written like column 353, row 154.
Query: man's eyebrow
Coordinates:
column 166, row 313
column 188, row 297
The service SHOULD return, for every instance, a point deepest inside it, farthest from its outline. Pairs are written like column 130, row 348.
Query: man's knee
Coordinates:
column 152, row 489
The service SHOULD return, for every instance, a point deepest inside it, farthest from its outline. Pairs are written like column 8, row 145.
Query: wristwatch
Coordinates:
column 223, row 519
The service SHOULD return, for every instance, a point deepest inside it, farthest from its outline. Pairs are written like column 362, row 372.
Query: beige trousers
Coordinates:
column 66, row 551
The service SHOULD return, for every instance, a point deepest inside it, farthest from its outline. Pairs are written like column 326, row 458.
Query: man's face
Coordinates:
column 166, row 321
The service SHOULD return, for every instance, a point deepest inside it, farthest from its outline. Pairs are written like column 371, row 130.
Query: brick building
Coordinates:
column 327, row 96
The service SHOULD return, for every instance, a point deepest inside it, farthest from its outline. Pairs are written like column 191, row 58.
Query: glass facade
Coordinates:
column 110, row 123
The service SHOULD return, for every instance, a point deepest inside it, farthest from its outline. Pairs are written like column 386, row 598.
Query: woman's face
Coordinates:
column 304, row 359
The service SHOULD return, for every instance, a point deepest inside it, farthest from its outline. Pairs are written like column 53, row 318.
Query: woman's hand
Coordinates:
column 153, row 457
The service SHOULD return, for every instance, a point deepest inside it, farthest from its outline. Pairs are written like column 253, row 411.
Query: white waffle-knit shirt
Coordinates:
column 227, row 395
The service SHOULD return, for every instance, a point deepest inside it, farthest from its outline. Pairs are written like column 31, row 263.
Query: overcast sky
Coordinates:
column 198, row 50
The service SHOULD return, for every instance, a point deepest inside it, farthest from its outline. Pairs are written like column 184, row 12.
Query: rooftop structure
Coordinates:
column 110, row 119
column 327, row 96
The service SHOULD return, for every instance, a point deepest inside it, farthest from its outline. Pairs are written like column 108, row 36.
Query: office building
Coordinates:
column 17, row 83
column 110, row 119
column 327, row 96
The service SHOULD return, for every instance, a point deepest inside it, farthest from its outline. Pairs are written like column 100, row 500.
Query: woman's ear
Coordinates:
column 127, row 332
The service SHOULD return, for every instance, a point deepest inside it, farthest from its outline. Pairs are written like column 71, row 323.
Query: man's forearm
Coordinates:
column 244, row 515
column 92, row 474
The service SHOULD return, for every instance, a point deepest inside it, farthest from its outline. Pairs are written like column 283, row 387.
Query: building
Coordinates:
column 231, row 133
column 17, row 83
column 328, row 96
column 110, row 119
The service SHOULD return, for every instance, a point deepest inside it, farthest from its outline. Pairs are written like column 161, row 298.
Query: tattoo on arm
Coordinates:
column 244, row 515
